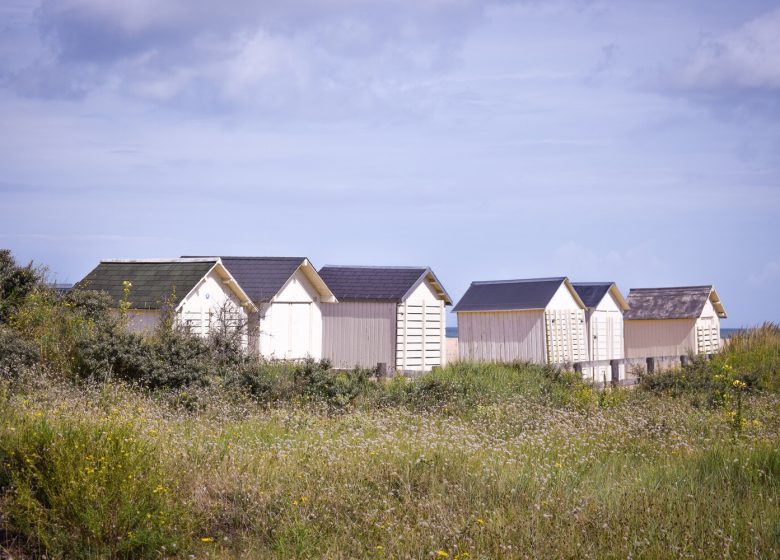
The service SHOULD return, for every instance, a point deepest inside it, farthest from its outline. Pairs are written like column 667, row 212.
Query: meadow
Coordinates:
column 113, row 446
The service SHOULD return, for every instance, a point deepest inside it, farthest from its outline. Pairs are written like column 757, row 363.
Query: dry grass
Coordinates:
column 513, row 477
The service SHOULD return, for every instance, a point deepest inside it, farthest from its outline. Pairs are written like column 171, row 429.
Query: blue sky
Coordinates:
column 603, row 140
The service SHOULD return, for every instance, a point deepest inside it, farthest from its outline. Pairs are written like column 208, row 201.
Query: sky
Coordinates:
column 604, row 140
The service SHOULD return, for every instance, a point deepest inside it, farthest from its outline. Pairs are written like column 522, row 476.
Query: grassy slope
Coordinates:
column 523, row 472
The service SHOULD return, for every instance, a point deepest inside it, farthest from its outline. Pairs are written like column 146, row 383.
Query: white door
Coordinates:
column 299, row 339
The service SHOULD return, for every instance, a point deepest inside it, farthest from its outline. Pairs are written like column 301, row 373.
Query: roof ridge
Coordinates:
column 521, row 280
column 710, row 286
column 160, row 261
column 248, row 257
column 381, row 267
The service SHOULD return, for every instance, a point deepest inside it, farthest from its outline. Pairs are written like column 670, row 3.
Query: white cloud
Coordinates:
column 748, row 57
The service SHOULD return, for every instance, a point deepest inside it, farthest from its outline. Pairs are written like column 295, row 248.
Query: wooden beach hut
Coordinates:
column 603, row 327
column 200, row 291
column 385, row 315
column 673, row 321
column 536, row 320
column 289, row 296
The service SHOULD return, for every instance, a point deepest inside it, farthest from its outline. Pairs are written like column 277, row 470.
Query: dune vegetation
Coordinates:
column 114, row 445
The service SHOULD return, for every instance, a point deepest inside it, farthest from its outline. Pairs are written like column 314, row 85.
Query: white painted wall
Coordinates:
column 563, row 299
column 659, row 337
column 199, row 310
column 142, row 320
column 420, row 331
column 501, row 336
column 291, row 325
column 605, row 338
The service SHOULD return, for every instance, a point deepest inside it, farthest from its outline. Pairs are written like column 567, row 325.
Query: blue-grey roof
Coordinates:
column 377, row 283
column 591, row 293
column 262, row 277
column 509, row 295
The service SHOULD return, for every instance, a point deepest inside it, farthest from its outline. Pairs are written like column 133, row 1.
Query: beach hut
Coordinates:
column 673, row 321
column 603, row 327
column 289, row 295
column 200, row 292
column 536, row 320
column 388, row 315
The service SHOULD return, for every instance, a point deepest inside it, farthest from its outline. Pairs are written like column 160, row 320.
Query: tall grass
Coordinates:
column 110, row 471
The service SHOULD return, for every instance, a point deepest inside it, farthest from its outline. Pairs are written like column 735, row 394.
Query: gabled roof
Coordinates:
column 156, row 282
column 513, row 295
column 379, row 283
column 591, row 293
column 263, row 277
column 685, row 302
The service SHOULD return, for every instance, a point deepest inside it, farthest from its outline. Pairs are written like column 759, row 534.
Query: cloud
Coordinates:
column 304, row 56
column 745, row 58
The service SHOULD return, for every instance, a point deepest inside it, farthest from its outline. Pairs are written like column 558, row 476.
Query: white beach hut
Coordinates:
column 603, row 327
column 200, row 291
column 289, row 296
column 673, row 321
column 389, row 315
column 536, row 320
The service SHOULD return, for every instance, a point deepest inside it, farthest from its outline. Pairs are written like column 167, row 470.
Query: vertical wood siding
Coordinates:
column 501, row 336
column 359, row 334
column 659, row 337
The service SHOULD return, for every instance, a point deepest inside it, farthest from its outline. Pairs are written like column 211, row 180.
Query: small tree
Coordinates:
column 16, row 283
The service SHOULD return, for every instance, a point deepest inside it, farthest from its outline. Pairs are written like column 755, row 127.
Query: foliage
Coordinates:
column 16, row 282
column 172, row 360
column 513, row 475
column 75, row 485
column 16, row 353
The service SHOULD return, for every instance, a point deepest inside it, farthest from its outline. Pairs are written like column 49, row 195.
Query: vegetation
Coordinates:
column 114, row 445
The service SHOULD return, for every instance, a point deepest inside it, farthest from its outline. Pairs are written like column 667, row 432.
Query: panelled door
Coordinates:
column 419, row 335
column 565, row 336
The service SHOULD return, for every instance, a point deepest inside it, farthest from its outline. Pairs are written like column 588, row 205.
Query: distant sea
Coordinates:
column 452, row 332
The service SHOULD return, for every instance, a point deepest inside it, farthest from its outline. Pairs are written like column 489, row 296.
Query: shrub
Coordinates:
column 16, row 282
column 80, row 487
column 16, row 353
column 173, row 361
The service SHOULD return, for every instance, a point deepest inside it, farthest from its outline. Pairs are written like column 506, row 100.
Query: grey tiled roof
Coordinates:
column 377, row 283
column 591, row 293
column 667, row 303
column 262, row 277
column 153, row 282
column 509, row 295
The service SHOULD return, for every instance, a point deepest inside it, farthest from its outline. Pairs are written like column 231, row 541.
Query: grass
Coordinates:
column 470, row 462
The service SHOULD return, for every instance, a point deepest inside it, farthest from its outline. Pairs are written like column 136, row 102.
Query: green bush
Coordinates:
column 175, row 360
column 16, row 353
column 77, row 488
column 16, row 282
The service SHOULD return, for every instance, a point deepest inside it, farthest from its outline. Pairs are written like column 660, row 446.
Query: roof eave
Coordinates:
column 441, row 293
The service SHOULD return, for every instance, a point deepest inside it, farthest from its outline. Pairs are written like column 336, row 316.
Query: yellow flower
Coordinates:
column 207, row 539
column 379, row 547
column 480, row 521
column 441, row 554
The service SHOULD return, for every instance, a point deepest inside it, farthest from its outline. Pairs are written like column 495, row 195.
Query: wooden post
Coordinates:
column 381, row 370
column 683, row 361
column 615, row 365
column 650, row 365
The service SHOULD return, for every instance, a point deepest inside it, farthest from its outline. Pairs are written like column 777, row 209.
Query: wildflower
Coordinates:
column 207, row 539
column 441, row 554
column 480, row 521
column 739, row 384
column 379, row 547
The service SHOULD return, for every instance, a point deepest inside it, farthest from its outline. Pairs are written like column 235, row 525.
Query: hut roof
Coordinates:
column 684, row 302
